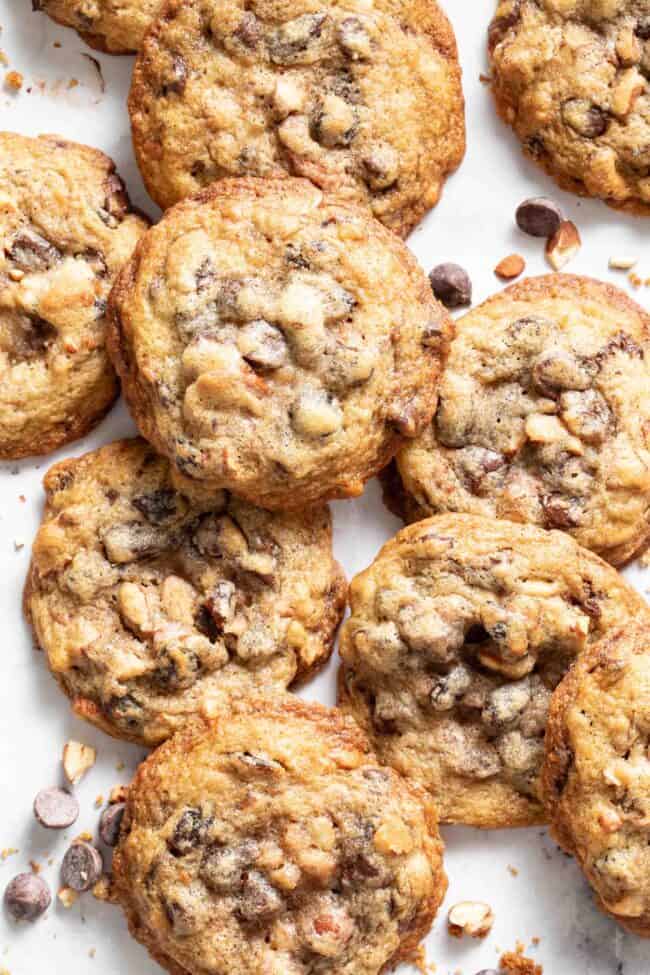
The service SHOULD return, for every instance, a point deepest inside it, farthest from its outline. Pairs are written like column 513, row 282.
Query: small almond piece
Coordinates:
column 563, row 245
column 77, row 760
column 470, row 917
column 510, row 267
column 623, row 263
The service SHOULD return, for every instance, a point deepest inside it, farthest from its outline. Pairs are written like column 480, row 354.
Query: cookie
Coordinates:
column 572, row 79
column 111, row 26
column 66, row 229
column 363, row 100
column 543, row 417
column 151, row 607
column 276, row 342
column 596, row 776
column 459, row 632
column 269, row 841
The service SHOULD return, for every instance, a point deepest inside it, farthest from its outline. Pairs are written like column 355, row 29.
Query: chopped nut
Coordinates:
column 563, row 245
column 622, row 263
column 470, row 917
column 67, row 896
column 77, row 760
column 510, row 267
column 610, row 820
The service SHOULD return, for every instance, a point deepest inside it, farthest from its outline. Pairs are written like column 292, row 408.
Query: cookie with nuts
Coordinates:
column 365, row 102
column 151, row 607
column 571, row 78
column 596, row 776
column 543, row 417
column 112, row 26
column 459, row 632
column 66, row 228
column 276, row 342
column 271, row 841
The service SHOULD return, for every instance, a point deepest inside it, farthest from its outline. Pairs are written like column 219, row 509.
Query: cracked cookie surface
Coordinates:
column 596, row 777
column 572, row 77
column 112, row 26
column 276, row 343
column 459, row 632
column 543, row 417
column 151, row 607
column 364, row 100
column 66, row 229
column 272, row 843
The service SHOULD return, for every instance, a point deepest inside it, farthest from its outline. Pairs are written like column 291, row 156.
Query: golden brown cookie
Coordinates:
column 151, row 606
column 270, row 842
column 543, row 417
column 571, row 78
column 596, row 776
column 112, row 26
column 66, row 229
column 459, row 632
column 276, row 342
column 363, row 100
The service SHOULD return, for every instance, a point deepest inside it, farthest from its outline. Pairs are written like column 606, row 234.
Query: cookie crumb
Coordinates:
column 118, row 793
column 92, row 952
column 67, row 897
column 516, row 963
column 99, row 801
column 8, row 851
column 622, row 263
column 18, row 544
column 120, row 767
column 14, row 81
column 73, row 83
column 103, row 889
column 84, row 837
column 510, row 267
column 634, row 279
column 36, row 867
column 513, row 870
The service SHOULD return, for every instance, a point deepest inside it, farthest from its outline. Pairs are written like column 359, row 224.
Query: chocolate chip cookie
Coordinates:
column 276, row 342
column 596, row 777
column 66, row 229
column 543, row 417
column 363, row 100
column 151, row 606
column 112, row 26
column 271, row 842
column 459, row 632
column 572, row 79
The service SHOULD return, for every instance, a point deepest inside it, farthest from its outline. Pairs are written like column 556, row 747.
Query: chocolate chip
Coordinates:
column 27, row 896
column 55, row 808
column 176, row 80
column 249, row 31
column 451, row 285
column 642, row 29
column 189, row 833
column 584, row 118
column 110, row 822
column 81, row 867
column 538, row 217
column 30, row 252
column 34, row 339
column 380, row 166
column 157, row 507
column 288, row 44
column 501, row 25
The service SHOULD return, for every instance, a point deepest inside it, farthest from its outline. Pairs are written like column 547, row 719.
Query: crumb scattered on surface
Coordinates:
column 118, row 794
column 8, row 851
column 622, row 262
column 634, row 279
column 84, row 837
column 67, row 897
column 513, row 870
column 103, row 889
column 4, row 60
column 35, row 865
column 14, row 80
column 19, row 543
column 99, row 801
column 92, row 952
column 73, row 83
column 516, row 963
column 119, row 767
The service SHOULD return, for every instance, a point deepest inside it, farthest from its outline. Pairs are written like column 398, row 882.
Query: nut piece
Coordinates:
column 77, row 760
column 563, row 245
column 470, row 917
column 622, row 263
column 538, row 217
column 27, row 897
column 510, row 267
column 451, row 285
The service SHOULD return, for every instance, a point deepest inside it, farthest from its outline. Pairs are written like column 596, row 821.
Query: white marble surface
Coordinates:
column 473, row 224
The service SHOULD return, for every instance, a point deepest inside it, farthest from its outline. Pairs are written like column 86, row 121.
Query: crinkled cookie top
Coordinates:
column 459, row 632
column 276, row 343
column 272, row 843
column 596, row 780
column 573, row 79
column 362, row 98
column 66, row 229
column 151, row 606
column 544, row 416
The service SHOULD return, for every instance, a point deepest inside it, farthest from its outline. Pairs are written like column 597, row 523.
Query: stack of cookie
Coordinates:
column 278, row 346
